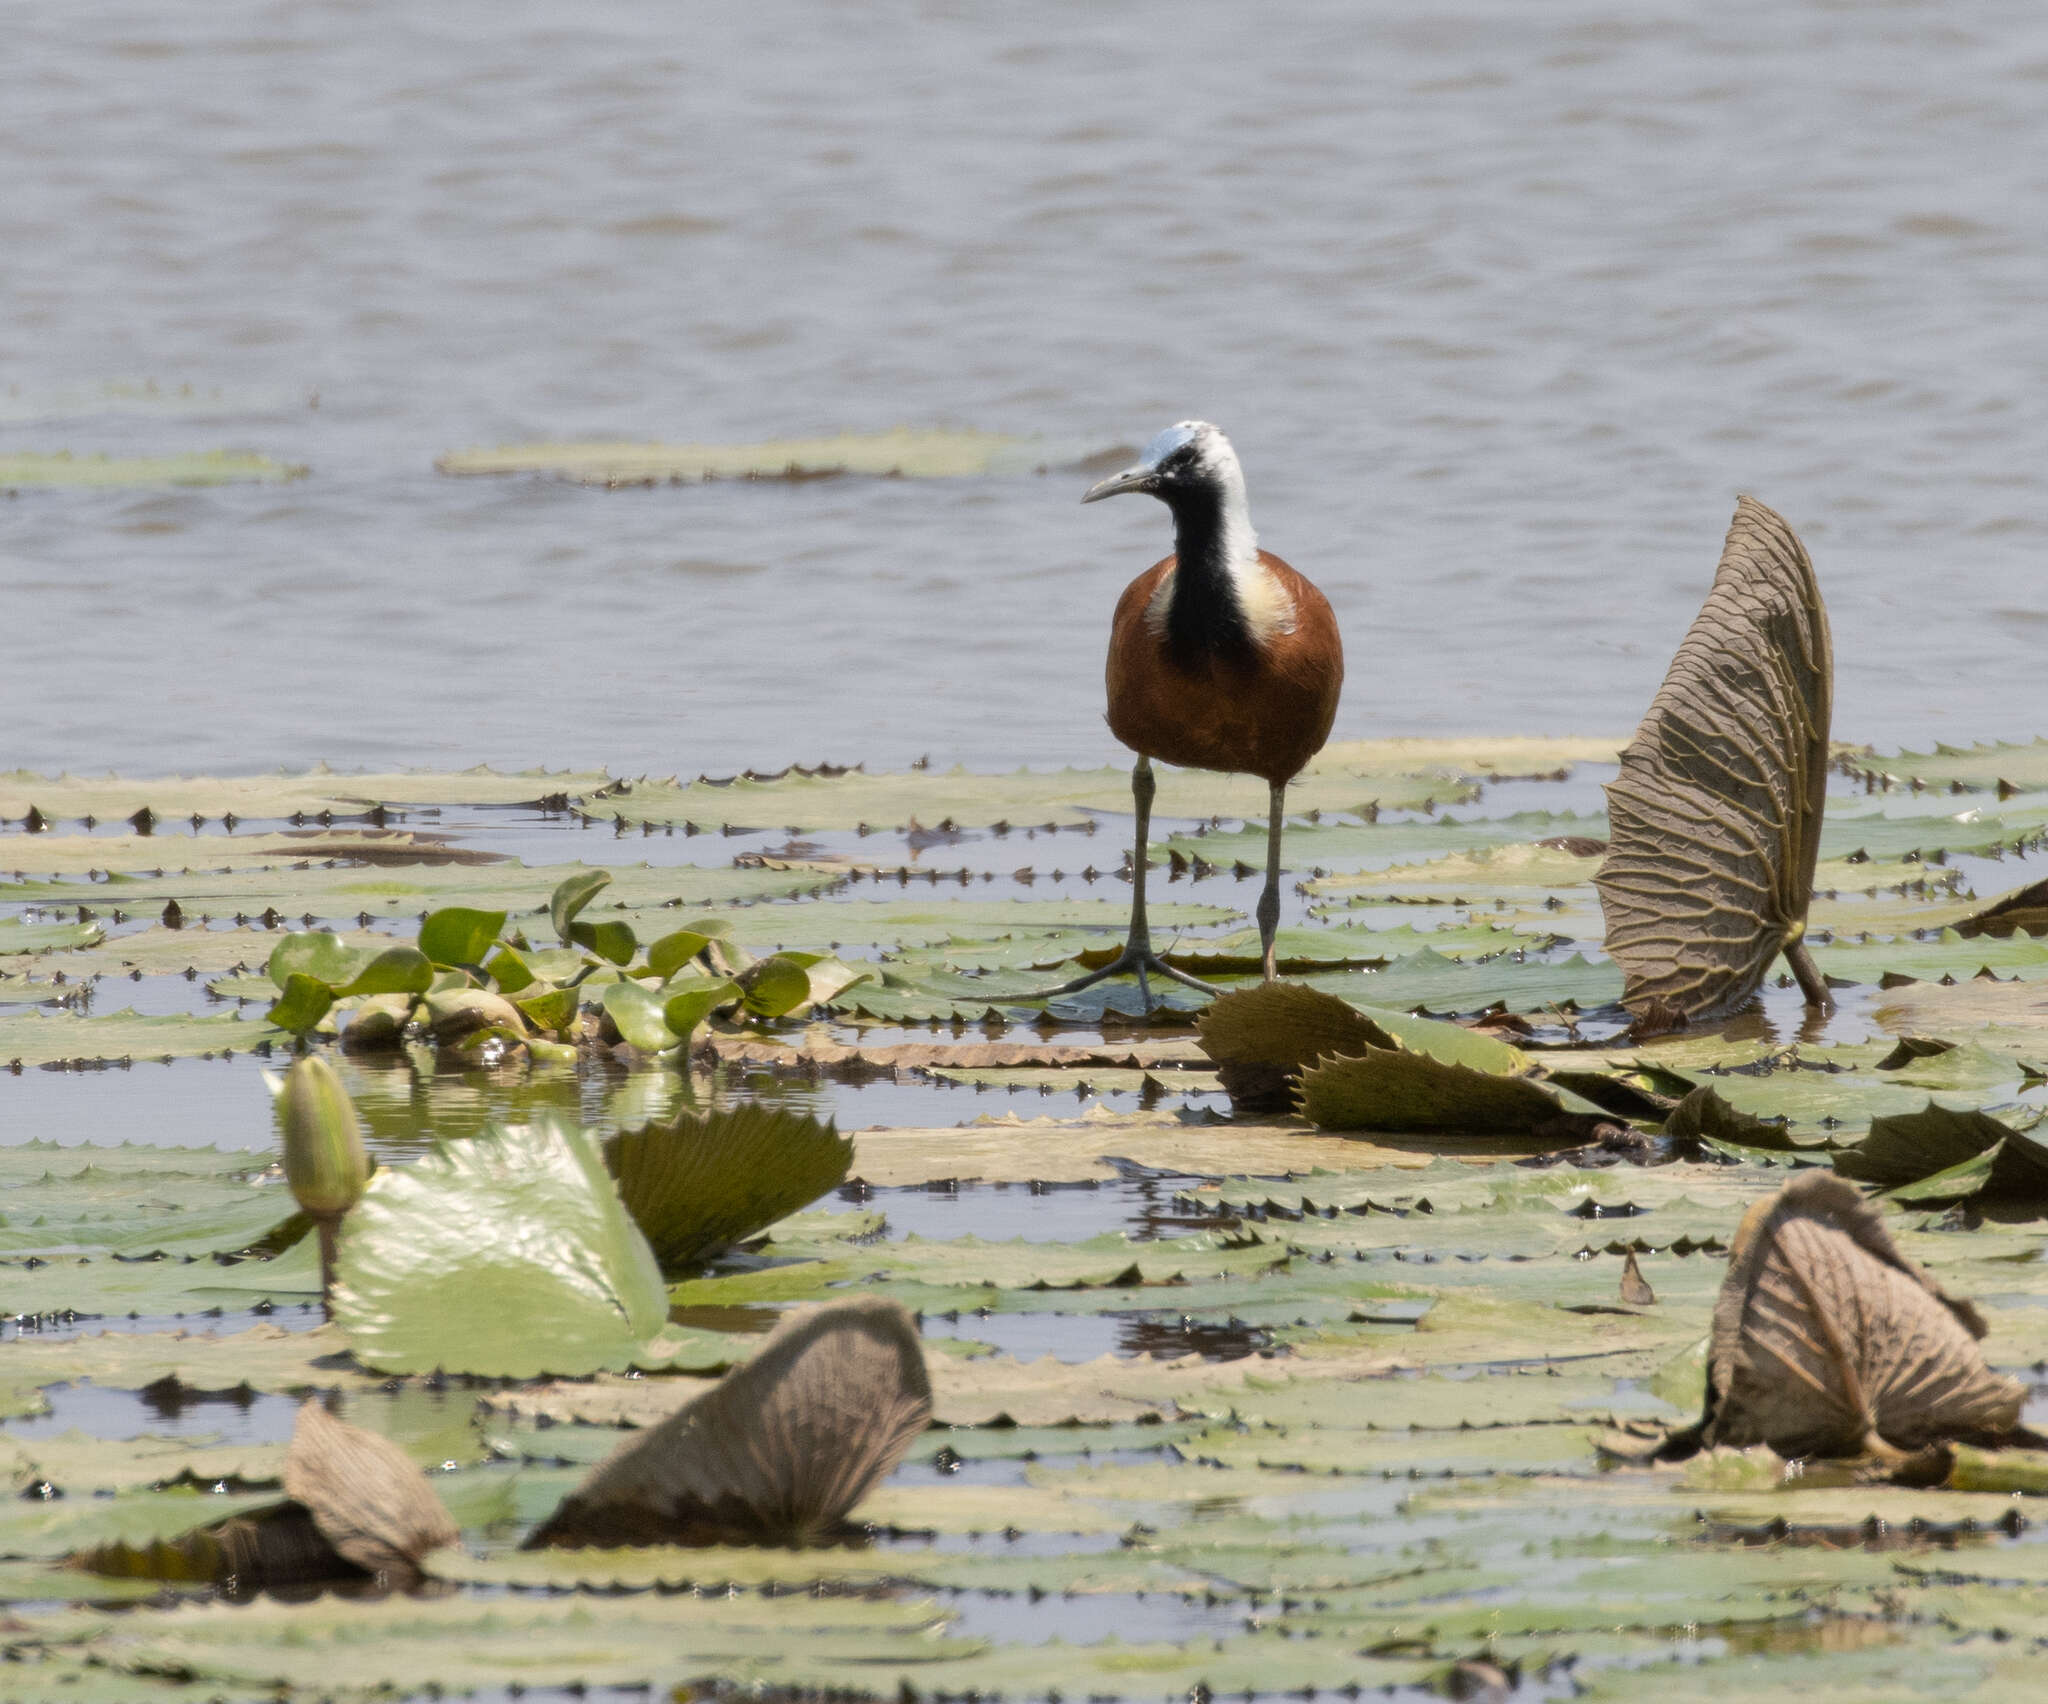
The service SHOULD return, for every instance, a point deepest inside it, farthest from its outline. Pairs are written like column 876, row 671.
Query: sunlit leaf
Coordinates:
column 1716, row 814
column 365, row 1495
column 775, row 986
column 669, row 954
column 571, row 895
column 319, row 954
column 610, row 940
column 700, row 1181
column 457, row 935
column 304, row 1002
column 1398, row 1091
column 638, row 1013
column 1827, row 1340
column 525, row 1225
column 686, row 1003
column 28, row 470
column 396, row 970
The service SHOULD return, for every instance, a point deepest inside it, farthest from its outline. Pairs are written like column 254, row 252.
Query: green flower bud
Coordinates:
column 324, row 1158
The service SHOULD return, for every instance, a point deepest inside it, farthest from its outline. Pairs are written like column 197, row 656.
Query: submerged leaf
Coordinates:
column 1716, row 813
column 1827, row 1341
column 702, row 1181
column 524, row 1226
column 778, row 1452
column 1412, row 1093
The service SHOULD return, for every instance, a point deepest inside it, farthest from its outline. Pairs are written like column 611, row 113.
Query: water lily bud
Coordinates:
column 324, row 1158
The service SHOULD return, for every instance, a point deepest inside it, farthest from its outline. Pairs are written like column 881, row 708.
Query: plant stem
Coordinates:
column 1811, row 983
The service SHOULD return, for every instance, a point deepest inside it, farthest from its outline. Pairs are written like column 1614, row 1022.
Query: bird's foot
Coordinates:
column 1137, row 959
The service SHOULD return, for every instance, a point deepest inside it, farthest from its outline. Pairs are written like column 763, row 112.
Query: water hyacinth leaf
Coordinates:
column 457, row 935
column 775, row 987
column 613, row 941
column 1716, row 814
column 1827, row 1341
column 687, row 1003
column 571, row 895
column 396, row 970
column 553, row 1010
column 1410, row 1093
column 669, row 954
column 699, row 1182
column 524, row 1224
column 510, row 971
column 638, row 1013
column 369, row 1500
column 780, row 1451
column 317, row 953
column 304, row 1002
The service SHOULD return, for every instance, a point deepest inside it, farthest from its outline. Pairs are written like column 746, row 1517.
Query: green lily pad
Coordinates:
column 526, row 1226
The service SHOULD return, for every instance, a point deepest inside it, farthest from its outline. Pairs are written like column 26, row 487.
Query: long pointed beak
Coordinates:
column 1138, row 478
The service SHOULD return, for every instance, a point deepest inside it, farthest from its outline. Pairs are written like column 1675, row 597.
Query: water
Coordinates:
column 1501, row 304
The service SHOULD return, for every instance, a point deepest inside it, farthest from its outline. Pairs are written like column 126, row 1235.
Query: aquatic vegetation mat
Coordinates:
column 1218, row 1400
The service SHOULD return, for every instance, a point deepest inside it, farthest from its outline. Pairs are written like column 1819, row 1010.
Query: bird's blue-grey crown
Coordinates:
column 1188, row 453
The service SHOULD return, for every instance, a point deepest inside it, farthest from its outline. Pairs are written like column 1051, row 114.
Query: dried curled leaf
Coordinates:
column 365, row 1495
column 1413, row 1093
column 700, row 1182
column 777, row 1452
column 1716, row 813
column 1261, row 1039
column 1827, row 1341
column 358, row 1507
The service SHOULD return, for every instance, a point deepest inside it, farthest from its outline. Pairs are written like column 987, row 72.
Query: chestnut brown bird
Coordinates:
column 1220, row 657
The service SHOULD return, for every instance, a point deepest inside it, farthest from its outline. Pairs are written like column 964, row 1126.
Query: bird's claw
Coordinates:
column 1136, row 959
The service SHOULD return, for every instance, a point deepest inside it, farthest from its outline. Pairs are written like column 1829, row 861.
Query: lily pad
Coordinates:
column 29, row 470
column 526, row 1225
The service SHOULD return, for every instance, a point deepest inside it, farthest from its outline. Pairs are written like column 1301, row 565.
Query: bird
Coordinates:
column 1221, row 657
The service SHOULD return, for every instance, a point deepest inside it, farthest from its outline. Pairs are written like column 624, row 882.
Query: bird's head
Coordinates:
column 1185, row 460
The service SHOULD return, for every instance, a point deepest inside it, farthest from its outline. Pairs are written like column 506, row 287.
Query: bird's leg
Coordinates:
column 1269, row 901
column 1137, row 955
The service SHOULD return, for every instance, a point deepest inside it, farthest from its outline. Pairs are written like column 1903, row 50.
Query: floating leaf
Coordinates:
column 703, row 1180
column 320, row 954
column 898, row 454
column 1412, row 1093
column 1828, row 1341
column 2024, row 909
column 1261, row 1039
column 1703, row 1116
column 26, row 469
column 523, row 1224
column 779, row 1452
column 1949, row 1154
column 1716, row 814
column 456, row 935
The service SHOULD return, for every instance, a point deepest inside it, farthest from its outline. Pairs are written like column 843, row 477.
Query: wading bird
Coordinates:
column 1220, row 657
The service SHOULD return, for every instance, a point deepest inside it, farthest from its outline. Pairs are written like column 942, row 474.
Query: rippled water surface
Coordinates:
column 1501, row 303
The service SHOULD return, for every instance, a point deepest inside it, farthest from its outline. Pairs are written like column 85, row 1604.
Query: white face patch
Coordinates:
column 1268, row 610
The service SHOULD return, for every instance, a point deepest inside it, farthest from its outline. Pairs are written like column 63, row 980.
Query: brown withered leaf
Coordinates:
column 1262, row 1038
column 1716, row 813
column 1827, row 1341
column 365, row 1494
column 358, row 1508
column 778, row 1452
column 1635, row 1288
column 1411, row 1093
